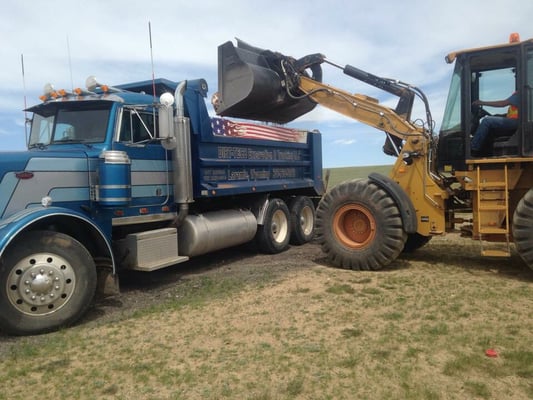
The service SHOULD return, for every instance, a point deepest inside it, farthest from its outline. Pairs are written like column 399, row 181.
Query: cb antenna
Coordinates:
column 152, row 59
column 25, row 103
column 153, row 74
column 70, row 65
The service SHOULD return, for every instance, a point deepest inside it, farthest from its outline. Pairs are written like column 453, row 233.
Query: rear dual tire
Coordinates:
column 273, row 236
column 283, row 225
column 303, row 217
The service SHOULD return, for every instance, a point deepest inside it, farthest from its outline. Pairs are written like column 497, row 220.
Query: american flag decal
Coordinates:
column 225, row 127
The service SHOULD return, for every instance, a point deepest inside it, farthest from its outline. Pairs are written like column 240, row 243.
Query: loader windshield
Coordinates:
column 452, row 114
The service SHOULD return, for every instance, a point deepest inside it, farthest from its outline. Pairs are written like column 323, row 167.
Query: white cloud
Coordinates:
column 344, row 142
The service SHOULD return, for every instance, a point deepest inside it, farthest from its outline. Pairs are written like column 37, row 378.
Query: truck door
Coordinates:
column 150, row 163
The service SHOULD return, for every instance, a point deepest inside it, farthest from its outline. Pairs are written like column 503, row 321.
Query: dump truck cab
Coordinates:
column 488, row 73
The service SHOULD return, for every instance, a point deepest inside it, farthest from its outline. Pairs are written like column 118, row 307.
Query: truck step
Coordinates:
column 160, row 264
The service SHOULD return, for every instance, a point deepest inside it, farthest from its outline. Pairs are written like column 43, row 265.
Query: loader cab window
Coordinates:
column 137, row 126
column 494, row 85
column 452, row 113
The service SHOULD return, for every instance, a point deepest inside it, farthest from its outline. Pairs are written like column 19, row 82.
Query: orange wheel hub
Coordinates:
column 354, row 226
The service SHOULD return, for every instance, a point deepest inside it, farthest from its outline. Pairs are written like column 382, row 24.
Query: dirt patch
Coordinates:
column 140, row 290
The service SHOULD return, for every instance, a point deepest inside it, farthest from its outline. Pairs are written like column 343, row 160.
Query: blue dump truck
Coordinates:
column 140, row 176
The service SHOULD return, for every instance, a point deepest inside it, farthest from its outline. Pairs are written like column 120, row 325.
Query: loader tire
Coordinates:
column 414, row 242
column 47, row 281
column 523, row 228
column 303, row 216
column 359, row 226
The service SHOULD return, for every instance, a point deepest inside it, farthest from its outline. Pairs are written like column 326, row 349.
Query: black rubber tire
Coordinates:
column 303, row 217
column 359, row 226
column 414, row 242
column 47, row 281
column 523, row 228
column 273, row 236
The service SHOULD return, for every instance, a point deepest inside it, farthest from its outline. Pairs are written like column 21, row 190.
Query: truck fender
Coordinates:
column 404, row 203
column 37, row 217
column 259, row 209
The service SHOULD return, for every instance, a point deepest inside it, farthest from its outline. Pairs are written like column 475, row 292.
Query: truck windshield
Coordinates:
column 69, row 123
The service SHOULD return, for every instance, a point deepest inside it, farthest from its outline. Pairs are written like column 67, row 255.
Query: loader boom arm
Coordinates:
column 360, row 107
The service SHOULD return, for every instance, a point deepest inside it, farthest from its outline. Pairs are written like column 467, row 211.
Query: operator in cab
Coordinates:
column 494, row 122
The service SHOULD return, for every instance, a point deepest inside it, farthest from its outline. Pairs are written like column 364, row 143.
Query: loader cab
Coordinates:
column 492, row 73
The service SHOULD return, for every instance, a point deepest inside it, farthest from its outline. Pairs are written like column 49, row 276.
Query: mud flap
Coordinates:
column 252, row 85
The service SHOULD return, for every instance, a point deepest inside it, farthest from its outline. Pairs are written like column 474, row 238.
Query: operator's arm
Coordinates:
column 496, row 103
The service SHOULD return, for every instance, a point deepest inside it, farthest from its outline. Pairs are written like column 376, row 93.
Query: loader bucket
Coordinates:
column 251, row 85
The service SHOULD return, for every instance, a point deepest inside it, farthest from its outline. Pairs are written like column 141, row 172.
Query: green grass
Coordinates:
column 338, row 175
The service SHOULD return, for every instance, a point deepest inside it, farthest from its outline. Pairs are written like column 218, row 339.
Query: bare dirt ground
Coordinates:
column 140, row 290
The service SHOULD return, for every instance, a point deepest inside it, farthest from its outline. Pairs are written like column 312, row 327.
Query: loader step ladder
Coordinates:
column 493, row 209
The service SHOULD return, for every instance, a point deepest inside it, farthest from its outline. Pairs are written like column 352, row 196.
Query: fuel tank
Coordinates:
column 253, row 85
column 204, row 233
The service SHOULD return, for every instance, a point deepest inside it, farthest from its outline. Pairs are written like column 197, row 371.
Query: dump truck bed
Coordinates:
column 238, row 157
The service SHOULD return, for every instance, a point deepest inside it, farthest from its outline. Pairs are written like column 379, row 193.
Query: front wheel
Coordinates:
column 359, row 226
column 47, row 280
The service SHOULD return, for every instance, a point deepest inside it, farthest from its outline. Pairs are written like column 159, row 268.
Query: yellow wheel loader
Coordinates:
column 437, row 184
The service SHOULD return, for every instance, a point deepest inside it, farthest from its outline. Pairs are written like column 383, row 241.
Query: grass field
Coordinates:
column 242, row 326
column 338, row 175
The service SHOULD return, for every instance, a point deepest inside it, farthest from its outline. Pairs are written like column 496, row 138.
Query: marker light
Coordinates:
column 166, row 99
column 514, row 37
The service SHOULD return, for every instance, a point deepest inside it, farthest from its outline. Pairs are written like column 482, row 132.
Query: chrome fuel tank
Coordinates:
column 201, row 234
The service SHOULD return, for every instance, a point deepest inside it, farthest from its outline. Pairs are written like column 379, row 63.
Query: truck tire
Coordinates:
column 523, row 228
column 273, row 236
column 359, row 226
column 302, row 212
column 47, row 280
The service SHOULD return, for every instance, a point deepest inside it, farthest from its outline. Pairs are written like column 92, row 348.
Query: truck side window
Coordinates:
column 137, row 126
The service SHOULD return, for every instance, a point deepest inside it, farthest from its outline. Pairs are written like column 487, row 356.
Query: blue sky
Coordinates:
column 63, row 42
